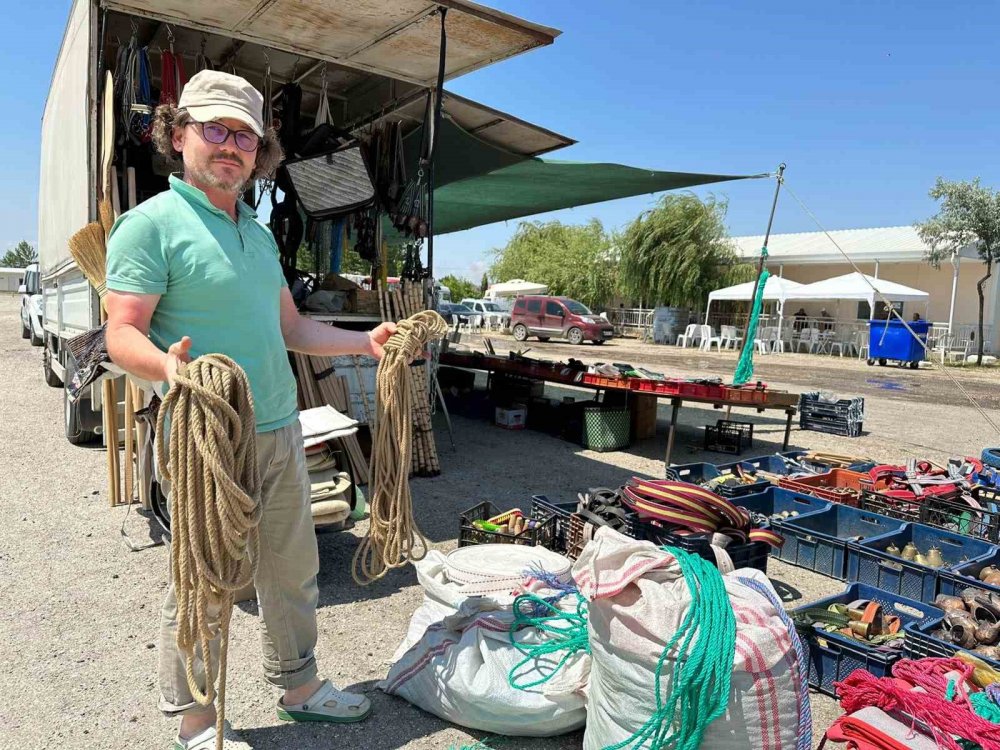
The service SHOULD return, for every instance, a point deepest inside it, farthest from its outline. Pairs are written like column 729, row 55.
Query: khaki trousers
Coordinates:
column 287, row 592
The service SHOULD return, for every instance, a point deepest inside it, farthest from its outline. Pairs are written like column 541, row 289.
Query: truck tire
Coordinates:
column 991, row 457
column 75, row 433
column 51, row 378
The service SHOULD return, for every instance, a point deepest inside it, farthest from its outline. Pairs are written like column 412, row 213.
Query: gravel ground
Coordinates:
column 78, row 610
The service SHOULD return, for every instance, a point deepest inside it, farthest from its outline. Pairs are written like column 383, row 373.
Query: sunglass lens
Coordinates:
column 246, row 140
column 214, row 132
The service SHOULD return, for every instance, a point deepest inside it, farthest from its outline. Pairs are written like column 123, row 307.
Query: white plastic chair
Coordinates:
column 808, row 339
column 687, row 338
column 727, row 337
column 861, row 344
column 763, row 340
column 708, row 338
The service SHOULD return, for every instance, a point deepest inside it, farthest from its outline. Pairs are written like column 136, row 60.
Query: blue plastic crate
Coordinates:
column 833, row 656
column 702, row 472
column 818, row 541
column 771, row 463
column 920, row 642
column 776, row 500
column 953, row 581
column 869, row 563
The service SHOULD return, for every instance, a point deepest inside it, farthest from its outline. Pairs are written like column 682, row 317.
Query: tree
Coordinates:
column 20, row 256
column 573, row 261
column 969, row 214
column 484, row 285
column 678, row 252
column 460, row 288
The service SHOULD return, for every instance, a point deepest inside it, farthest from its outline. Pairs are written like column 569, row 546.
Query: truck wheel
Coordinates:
column 520, row 332
column 35, row 340
column 51, row 379
column 71, row 411
column 574, row 336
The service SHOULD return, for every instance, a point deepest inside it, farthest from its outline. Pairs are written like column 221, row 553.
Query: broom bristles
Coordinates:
column 89, row 250
column 107, row 214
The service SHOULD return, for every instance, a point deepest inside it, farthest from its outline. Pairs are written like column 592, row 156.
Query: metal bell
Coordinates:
column 920, row 559
column 909, row 551
column 892, row 549
column 934, row 558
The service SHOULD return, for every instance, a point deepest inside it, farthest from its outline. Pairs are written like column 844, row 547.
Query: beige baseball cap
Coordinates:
column 213, row 95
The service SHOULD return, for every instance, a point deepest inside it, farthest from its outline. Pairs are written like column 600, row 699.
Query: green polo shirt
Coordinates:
column 219, row 282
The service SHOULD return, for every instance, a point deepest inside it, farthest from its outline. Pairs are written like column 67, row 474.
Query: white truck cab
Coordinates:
column 31, row 306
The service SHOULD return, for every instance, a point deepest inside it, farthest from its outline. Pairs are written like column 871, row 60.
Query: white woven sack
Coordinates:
column 638, row 599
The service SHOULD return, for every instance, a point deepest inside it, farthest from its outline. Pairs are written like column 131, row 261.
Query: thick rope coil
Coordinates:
column 393, row 538
column 214, row 507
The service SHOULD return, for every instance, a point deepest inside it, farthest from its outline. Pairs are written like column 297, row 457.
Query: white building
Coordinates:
column 11, row 279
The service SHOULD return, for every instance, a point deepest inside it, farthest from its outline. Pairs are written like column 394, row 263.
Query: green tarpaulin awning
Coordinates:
column 478, row 183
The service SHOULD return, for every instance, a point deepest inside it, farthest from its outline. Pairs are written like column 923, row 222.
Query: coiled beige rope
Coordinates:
column 393, row 538
column 214, row 507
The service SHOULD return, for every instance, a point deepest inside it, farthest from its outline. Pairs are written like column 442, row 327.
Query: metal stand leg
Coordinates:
column 676, row 403
column 788, row 428
column 444, row 407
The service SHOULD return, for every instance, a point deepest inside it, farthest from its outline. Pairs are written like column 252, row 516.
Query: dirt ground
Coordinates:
column 78, row 610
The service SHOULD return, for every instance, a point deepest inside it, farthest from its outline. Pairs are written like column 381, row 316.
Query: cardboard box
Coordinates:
column 515, row 418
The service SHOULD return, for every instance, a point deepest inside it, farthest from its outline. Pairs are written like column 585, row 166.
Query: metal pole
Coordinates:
column 438, row 95
column 955, row 260
column 760, row 266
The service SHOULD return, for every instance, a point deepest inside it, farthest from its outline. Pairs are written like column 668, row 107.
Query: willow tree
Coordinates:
column 678, row 252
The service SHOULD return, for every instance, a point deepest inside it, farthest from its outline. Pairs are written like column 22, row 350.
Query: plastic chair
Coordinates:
column 808, row 339
column 688, row 337
column 727, row 337
column 708, row 338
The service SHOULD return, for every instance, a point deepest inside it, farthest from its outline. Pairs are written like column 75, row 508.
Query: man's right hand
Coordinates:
column 177, row 355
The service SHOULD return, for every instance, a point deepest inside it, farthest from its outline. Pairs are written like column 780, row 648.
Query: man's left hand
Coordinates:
column 378, row 337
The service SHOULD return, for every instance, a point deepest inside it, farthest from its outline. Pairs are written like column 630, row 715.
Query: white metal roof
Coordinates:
column 776, row 288
column 858, row 286
column 7, row 270
column 884, row 244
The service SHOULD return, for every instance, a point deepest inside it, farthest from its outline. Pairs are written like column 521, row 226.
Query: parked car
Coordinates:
column 488, row 309
column 31, row 306
column 455, row 314
column 558, row 317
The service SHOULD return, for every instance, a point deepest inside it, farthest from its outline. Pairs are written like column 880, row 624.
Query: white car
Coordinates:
column 31, row 306
column 489, row 311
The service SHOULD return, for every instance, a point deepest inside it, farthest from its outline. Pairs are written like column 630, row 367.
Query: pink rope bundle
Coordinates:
column 944, row 718
column 931, row 674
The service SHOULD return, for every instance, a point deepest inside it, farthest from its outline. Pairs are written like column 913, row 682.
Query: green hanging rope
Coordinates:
column 744, row 368
column 702, row 664
column 564, row 631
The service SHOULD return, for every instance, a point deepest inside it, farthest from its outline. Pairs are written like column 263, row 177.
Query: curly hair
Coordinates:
column 167, row 117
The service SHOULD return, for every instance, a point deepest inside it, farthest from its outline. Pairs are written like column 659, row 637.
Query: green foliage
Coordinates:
column 351, row 262
column 460, row 288
column 573, row 261
column 20, row 256
column 484, row 284
column 678, row 252
column 969, row 214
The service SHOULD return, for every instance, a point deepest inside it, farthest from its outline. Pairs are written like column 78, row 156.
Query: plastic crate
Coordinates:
column 544, row 535
column 869, row 563
column 748, row 555
column 833, row 656
column 836, row 485
column 943, row 513
column 702, row 472
column 921, row 643
column 818, row 541
column 966, row 575
column 775, row 500
column 542, row 508
column 877, row 502
column 722, row 439
column 772, row 464
column 604, row 382
column 744, row 428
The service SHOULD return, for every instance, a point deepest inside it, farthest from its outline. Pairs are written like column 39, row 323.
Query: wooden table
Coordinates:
column 562, row 374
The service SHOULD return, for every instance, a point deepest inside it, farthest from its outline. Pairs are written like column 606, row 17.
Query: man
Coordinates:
column 800, row 319
column 916, row 317
column 827, row 320
column 191, row 272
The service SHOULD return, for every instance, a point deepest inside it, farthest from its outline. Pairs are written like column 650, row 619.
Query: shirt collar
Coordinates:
column 194, row 195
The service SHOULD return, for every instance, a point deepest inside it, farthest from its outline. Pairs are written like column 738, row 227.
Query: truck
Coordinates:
column 358, row 63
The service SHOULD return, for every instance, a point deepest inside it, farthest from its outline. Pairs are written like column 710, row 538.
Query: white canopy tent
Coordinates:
column 776, row 288
column 513, row 288
column 859, row 287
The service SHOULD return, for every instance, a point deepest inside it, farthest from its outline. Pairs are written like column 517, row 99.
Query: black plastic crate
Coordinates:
column 876, row 502
column 961, row 518
column 542, row 508
column 833, row 656
column 831, row 425
column 744, row 428
column 543, row 535
column 722, row 439
column 747, row 555
column 812, row 404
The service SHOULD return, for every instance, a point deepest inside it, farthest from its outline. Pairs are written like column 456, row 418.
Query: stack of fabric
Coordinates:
column 332, row 493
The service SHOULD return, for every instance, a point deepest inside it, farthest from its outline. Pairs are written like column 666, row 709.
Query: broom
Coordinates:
column 89, row 249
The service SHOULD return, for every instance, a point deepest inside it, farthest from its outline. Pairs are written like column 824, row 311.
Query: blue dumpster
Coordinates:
column 890, row 340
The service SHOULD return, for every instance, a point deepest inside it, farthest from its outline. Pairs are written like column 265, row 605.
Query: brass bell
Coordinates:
column 988, row 571
column 934, row 558
column 921, row 559
column 909, row 551
column 892, row 549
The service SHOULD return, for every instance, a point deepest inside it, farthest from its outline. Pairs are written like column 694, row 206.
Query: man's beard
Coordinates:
column 204, row 174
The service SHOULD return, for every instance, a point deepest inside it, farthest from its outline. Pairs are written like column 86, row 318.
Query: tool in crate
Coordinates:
column 863, row 620
column 971, row 621
column 686, row 509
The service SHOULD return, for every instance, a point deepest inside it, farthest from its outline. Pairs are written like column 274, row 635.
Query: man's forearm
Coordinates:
column 131, row 350
column 312, row 337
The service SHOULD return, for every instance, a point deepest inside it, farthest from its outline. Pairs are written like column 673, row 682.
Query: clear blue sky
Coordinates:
column 866, row 102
